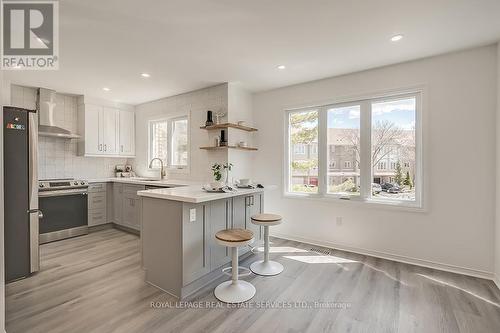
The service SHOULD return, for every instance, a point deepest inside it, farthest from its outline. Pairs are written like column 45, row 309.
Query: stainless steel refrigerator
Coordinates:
column 21, row 213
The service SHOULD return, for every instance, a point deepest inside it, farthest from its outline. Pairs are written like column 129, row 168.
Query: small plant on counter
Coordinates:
column 217, row 169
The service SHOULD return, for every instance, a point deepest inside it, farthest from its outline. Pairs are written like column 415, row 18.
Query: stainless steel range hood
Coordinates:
column 46, row 103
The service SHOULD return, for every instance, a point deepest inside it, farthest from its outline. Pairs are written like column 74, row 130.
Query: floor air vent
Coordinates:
column 326, row 252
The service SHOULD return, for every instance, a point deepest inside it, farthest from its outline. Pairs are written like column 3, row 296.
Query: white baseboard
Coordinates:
column 394, row 257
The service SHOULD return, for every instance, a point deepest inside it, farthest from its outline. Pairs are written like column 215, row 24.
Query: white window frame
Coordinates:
column 365, row 150
column 169, row 165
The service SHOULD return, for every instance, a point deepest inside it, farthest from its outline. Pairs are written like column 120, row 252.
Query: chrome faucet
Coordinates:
column 163, row 173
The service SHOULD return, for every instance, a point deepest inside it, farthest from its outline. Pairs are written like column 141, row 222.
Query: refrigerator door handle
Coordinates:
column 33, row 191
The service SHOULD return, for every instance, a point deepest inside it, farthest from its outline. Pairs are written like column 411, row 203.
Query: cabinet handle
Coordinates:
column 100, row 147
column 253, row 200
column 105, row 147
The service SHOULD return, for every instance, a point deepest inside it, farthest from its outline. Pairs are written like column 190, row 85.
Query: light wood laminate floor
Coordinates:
column 94, row 283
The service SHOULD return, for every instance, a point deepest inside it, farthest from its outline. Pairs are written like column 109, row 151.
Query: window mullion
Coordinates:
column 169, row 143
column 365, row 150
column 322, row 151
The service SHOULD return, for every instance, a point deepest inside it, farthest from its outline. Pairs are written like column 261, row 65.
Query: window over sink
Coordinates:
column 169, row 141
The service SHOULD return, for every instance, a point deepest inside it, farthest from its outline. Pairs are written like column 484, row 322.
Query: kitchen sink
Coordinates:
column 156, row 183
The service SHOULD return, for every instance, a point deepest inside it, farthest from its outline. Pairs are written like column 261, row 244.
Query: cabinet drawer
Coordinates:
column 97, row 201
column 97, row 217
column 98, row 187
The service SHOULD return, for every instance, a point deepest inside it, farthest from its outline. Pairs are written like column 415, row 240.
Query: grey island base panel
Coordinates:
column 180, row 254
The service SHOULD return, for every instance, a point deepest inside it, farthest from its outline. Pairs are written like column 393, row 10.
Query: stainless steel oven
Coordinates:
column 64, row 206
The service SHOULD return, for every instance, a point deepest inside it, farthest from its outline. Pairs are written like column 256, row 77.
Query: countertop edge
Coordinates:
column 193, row 199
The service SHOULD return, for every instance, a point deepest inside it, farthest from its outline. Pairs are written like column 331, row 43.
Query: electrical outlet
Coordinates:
column 339, row 220
column 192, row 215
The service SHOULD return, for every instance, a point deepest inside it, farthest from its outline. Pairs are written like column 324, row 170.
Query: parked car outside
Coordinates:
column 394, row 189
column 386, row 186
column 376, row 188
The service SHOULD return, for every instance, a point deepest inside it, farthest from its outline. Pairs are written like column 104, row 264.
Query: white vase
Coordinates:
column 216, row 184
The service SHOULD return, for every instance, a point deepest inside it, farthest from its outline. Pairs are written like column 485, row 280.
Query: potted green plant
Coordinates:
column 217, row 170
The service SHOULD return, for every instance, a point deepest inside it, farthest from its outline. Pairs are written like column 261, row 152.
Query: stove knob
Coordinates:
column 41, row 185
column 82, row 183
column 75, row 183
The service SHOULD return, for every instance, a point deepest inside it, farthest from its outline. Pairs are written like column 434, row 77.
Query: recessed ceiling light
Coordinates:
column 281, row 67
column 106, row 89
column 145, row 75
column 396, row 38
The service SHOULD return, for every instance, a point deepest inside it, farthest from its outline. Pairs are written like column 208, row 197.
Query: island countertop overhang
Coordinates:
column 193, row 194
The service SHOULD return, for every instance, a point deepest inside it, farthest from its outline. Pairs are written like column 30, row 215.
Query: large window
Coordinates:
column 169, row 141
column 303, row 168
column 375, row 143
column 343, row 146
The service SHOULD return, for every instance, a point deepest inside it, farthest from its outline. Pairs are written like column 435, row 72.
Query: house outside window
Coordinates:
column 299, row 149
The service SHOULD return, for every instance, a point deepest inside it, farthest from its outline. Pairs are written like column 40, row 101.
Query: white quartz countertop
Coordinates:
column 193, row 193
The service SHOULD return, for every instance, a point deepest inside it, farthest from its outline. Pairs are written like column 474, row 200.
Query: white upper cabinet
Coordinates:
column 127, row 133
column 93, row 132
column 106, row 131
column 110, row 131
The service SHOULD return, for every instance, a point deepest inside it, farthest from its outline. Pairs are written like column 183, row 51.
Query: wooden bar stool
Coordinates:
column 266, row 267
column 235, row 290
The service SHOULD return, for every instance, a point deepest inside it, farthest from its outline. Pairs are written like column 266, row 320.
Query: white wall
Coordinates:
column 195, row 104
column 456, row 232
column 57, row 158
column 240, row 109
column 497, row 222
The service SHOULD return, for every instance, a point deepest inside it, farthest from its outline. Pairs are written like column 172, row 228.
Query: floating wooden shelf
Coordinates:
column 230, row 125
column 229, row 147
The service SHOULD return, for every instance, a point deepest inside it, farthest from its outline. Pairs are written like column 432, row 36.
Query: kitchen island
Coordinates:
column 179, row 251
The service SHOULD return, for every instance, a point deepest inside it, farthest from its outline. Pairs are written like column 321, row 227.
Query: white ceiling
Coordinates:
column 190, row 44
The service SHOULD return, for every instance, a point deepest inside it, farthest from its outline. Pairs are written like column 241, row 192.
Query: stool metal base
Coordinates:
column 238, row 292
column 266, row 268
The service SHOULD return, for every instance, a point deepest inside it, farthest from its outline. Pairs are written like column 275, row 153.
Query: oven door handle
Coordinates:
column 48, row 194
